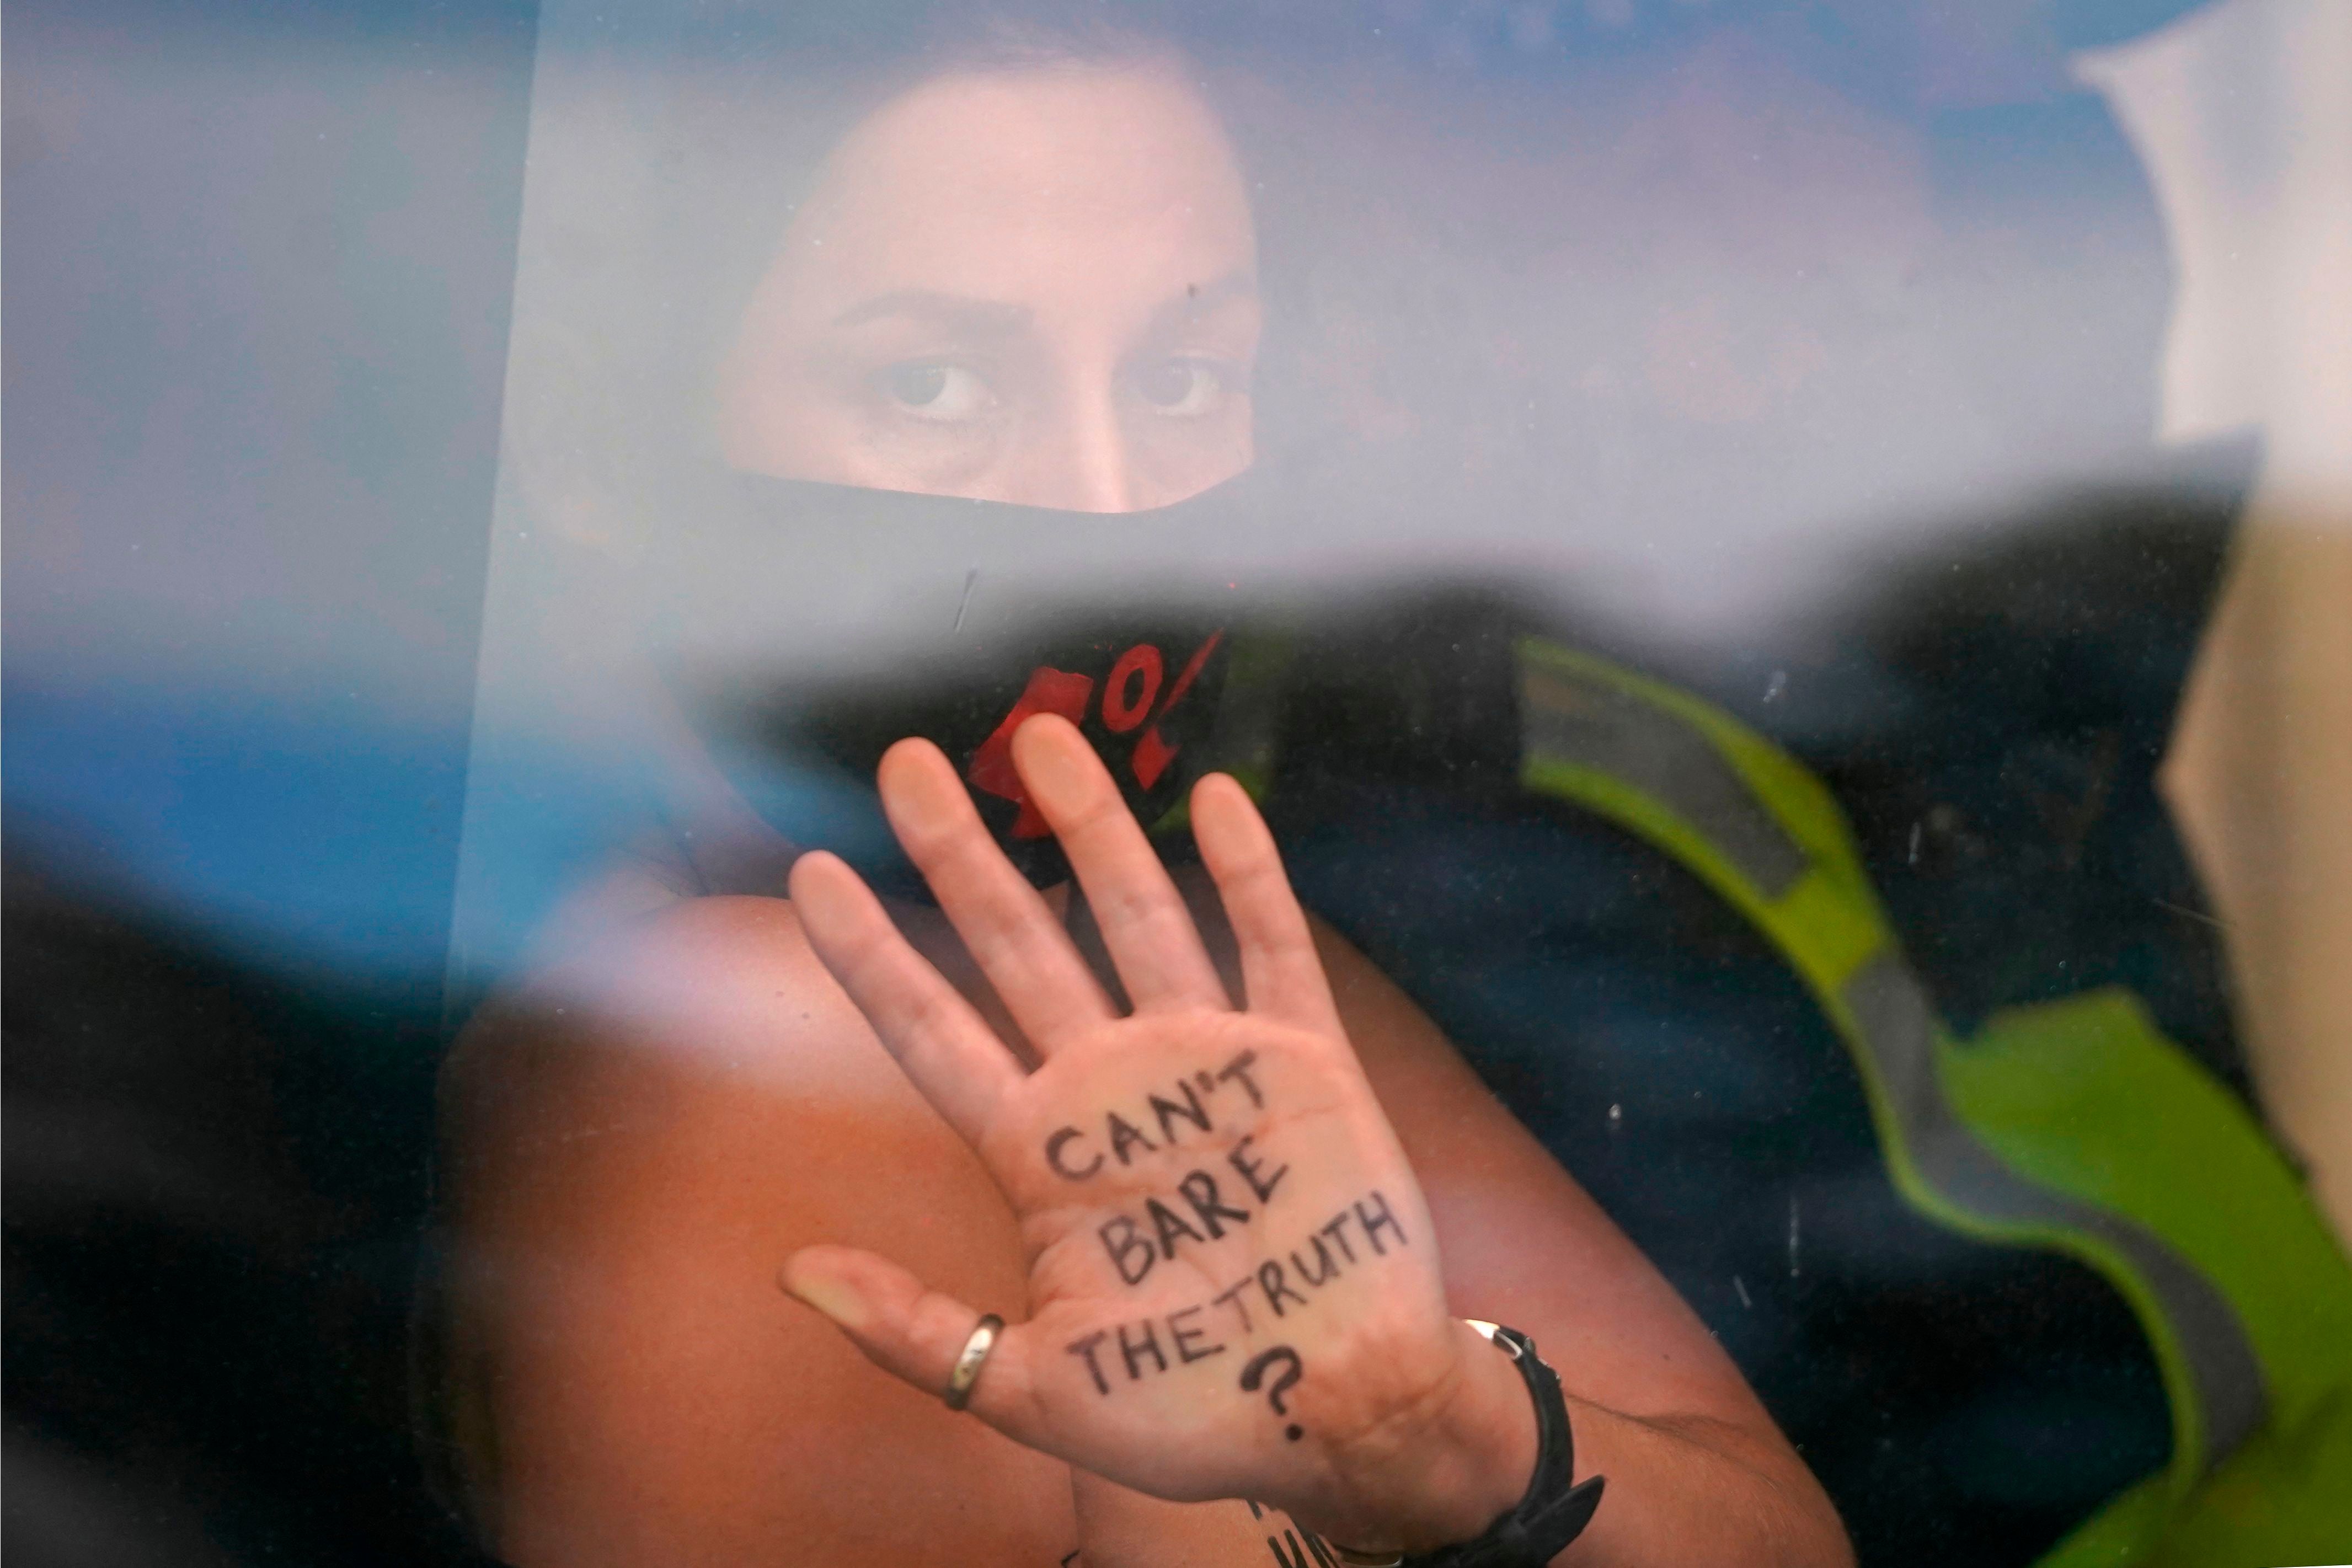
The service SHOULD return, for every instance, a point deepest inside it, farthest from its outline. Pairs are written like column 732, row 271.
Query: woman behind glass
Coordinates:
column 1030, row 276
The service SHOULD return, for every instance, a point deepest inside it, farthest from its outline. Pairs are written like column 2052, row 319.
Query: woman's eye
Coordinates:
column 929, row 390
column 1183, row 386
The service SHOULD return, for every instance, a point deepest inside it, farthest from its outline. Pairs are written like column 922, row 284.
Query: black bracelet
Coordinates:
column 1555, row 1510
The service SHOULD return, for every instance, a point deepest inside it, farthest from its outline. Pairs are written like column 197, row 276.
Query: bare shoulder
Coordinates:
column 1452, row 1127
column 701, row 990
column 1523, row 1243
column 635, row 1138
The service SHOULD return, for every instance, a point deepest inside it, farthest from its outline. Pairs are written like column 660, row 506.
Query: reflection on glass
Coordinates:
column 1711, row 1015
column 1655, row 499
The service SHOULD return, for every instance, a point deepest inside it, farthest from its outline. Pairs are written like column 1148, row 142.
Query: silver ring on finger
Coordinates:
column 970, row 1359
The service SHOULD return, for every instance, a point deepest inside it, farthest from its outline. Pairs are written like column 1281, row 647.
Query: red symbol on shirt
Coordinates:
column 1152, row 752
column 1139, row 669
column 1129, row 692
column 1049, row 691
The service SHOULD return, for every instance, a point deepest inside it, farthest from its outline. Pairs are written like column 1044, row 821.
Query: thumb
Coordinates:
column 915, row 1333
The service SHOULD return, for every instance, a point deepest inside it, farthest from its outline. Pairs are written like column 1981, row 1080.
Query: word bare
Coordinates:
column 1133, row 1253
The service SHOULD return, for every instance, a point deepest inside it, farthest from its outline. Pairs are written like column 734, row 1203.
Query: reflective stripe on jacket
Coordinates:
column 2073, row 1124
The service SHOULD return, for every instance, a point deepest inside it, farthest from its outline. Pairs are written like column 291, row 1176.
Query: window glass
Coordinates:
column 795, row 782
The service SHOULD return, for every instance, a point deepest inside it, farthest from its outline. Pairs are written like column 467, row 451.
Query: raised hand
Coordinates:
column 1233, row 1286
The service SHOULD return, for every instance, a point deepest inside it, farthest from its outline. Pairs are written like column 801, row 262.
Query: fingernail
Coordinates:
column 1053, row 762
column 833, row 1297
column 918, row 788
column 815, row 886
column 1222, row 810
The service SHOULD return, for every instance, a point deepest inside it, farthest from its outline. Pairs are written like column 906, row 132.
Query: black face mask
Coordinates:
column 954, row 619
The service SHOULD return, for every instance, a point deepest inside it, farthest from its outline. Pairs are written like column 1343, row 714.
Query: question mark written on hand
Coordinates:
column 1254, row 1374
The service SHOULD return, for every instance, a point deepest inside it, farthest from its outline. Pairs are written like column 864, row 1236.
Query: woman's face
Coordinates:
column 1036, row 285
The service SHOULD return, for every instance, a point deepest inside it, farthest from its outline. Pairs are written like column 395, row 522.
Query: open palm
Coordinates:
column 1233, row 1286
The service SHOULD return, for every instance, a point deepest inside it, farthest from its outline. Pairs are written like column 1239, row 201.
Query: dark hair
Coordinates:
column 665, row 166
column 1474, row 263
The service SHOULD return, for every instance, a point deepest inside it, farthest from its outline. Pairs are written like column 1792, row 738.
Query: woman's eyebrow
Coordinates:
column 953, row 312
column 1200, row 298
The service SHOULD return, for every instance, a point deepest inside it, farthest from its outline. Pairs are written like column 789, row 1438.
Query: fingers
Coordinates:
column 1280, row 968
column 1012, row 936
column 952, row 1058
column 1145, row 925
column 916, row 1334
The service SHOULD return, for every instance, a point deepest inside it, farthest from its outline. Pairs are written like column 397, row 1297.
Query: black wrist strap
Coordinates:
column 1555, row 1510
